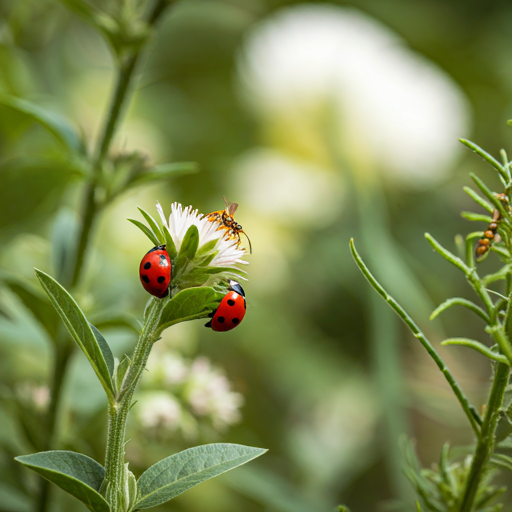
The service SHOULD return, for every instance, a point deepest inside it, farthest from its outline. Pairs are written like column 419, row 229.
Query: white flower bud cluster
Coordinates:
column 183, row 394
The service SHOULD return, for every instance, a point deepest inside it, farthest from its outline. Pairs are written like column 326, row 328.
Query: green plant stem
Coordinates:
column 485, row 444
column 471, row 413
column 118, row 411
column 90, row 211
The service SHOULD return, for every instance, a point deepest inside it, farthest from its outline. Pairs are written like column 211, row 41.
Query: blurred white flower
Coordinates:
column 158, row 409
column 39, row 395
column 384, row 101
column 167, row 367
column 209, row 394
column 295, row 190
column 228, row 252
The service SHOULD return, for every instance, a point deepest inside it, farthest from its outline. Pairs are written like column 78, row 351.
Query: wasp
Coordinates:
column 490, row 234
column 228, row 223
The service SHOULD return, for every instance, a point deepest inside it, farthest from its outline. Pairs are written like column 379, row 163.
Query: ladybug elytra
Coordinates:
column 231, row 310
column 155, row 272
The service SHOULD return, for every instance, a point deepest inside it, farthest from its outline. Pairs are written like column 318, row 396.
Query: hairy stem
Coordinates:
column 118, row 412
column 485, row 444
column 90, row 211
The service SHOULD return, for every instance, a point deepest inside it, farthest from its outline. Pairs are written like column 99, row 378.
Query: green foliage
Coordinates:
column 190, row 304
column 441, row 487
column 182, row 471
column 73, row 472
column 479, row 347
column 88, row 338
column 57, row 125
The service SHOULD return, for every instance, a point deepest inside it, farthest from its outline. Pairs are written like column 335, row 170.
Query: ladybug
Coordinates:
column 231, row 310
column 155, row 272
column 226, row 220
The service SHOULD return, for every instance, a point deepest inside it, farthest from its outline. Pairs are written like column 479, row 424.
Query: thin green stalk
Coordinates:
column 90, row 212
column 118, row 411
column 485, row 444
column 471, row 413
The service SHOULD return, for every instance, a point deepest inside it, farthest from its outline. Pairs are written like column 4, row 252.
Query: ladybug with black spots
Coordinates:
column 231, row 310
column 155, row 272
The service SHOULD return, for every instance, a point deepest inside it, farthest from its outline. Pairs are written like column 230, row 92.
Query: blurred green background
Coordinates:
column 324, row 121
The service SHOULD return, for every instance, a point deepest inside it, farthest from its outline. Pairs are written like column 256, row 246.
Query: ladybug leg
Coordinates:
column 210, row 315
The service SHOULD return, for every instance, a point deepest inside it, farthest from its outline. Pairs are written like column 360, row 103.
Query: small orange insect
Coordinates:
column 228, row 223
column 490, row 234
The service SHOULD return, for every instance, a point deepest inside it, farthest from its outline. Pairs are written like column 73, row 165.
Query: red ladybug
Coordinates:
column 231, row 310
column 155, row 272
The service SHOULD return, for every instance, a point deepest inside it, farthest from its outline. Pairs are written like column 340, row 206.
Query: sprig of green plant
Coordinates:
column 467, row 487
column 113, row 487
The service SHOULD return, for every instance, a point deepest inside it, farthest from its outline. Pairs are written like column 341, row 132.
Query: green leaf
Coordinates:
column 502, row 461
column 478, row 217
column 97, row 352
column 153, row 226
column 479, row 347
column 488, row 158
column 447, row 255
column 169, row 244
column 496, row 276
column 57, row 125
column 64, row 236
column 120, row 371
column 190, row 304
column 492, row 198
column 479, row 200
column 188, row 248
column 105, row 349
column 178, row 473
column 146, row 231
column 37, row 303
column 461, row 302
column 75, row 473
column 504, row 428
column 163, row 172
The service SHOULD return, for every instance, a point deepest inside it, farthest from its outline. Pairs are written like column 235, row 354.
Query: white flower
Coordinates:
column 210, row 394
column 159, row 409
column 228, row 252
column 385, row 102
column 38, row 395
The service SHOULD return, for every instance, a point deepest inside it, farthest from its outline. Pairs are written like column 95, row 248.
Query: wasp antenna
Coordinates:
column 250, row 246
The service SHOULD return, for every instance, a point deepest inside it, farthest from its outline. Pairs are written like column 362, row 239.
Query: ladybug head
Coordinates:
column 233, row 285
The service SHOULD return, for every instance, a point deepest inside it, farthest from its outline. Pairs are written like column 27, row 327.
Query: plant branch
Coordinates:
column 118, row 412
column 471, row 413
column 485, row 444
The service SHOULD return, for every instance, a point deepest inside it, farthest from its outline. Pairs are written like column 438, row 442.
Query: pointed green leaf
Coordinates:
column 478, row 217
column 461, row 302
column 146, row 231
column 57, row 125
column 178, row 473
column 488, row 158
column 163, row 172
column 98, row 353
column 153, row 226
column 188, row 248
column 37, row 303
column 479, row 347
column 105, row 349
column 169, row 244
column 447, row 255
column 492, row 198
column 120, row 371
column 75, row 473
column 503, row 461
column 190, row 304
column 479, row 200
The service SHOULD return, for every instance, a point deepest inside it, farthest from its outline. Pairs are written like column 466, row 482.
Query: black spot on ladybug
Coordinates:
column 231, row 302
column 236, row 321
column 161, row 279
column 147, row 266
column 145, row 278
column 221, row 319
